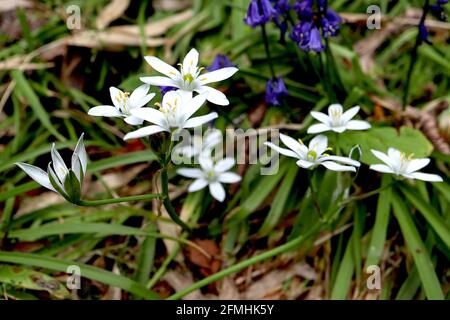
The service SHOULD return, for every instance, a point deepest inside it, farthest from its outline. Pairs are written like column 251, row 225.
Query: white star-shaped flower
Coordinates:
column 58, row 178
column 336, row 120
column 123, row 104
column 314, row 155
column 189, row 78
column 399, row 164
column 175, row 113
column 211, row 174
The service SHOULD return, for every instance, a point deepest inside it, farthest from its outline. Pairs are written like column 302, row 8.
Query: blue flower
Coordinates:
column 438, row 10
column 165, row 89
column 330, row 23
column 423, row 33
column 304, row 9
column 315, row 41
column 275, row 90
column 281, row 6
column 307, row 37
column 219, row 62
column 259, row 12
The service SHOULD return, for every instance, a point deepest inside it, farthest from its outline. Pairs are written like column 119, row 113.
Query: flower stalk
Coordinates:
column 415, row 49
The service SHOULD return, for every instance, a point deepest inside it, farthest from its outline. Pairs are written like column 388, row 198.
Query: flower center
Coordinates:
column 122, row 99
column 312, row 155
column 336, row 117
column 188, row 78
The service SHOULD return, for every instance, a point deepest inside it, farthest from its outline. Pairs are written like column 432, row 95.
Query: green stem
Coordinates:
column 165, row 189
column 247, row 263
column 266, row 47
column 93, row 203
column 426, row 8
column 315, row 200
column 365, row 195
column 167, row 204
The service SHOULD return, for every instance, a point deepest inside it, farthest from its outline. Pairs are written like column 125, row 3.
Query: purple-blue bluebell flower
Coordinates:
column 423, row 33
column 275, row 90
column 259, row 12
column 281, row 6
column 219, row 62
column 304, row 9
column 330, row 23
column 438, row 9
column 307, row 36
column 165, row 89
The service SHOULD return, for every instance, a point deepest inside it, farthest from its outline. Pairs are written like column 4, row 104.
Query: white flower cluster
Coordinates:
column 336, row 120
column 176, row 111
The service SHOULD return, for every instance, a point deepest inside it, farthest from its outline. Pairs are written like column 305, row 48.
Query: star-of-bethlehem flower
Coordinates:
column 174, row 113
column 58, row 178
column 190, row 79
column 211, row 174
column 399, row 164
column 124, row 103
column 337, row 120
column 313, row 155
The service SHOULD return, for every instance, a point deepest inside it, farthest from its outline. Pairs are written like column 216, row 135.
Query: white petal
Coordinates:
column 337, row 167
column 305, row 164
column 134, row 121
column 214, row 95
column 198, row 121
column 150, row 115
column 344, row 160
column 318, row 128
column 192, row 105
column 217, row 75
column 291, row 143
column 224, row 165
column 381, row 168
column 283, row 151
column 80, row 151
column 190, row 61
column 139, row 92
column 217, row 191
column 358, row 125
column 394, row 154
column 143, row 132
column 319, row 144
column 190, row 172
column 159, row 81
column 229, row 177
column 383, row 157
column 37, row 174
column 322, row 117
column 76, row 166
column 339, row 129
column 335, row 108
column 426, row 177
column 58, row 164
column 349, row 114
column 417, row 164
column 198, row 184
column 114, row 93
column 104, row 111
column 162, row 67
column 206, row 162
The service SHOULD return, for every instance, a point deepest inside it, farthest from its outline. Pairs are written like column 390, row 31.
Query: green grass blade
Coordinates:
column 421, row 256
column 434, row 219
column 25, row 89
column 87, row 271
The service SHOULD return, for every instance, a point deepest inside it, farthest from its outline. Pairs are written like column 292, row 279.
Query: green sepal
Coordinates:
column 55, row 185
column 72, row 187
